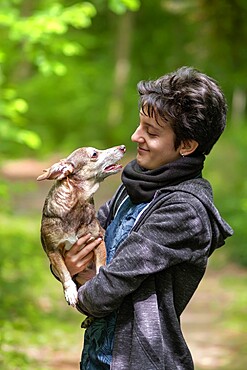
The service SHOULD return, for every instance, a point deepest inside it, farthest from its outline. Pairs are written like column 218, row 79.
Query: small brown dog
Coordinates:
column 69, row 212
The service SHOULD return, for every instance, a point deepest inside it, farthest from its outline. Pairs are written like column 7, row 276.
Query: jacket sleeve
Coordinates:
column 172, row 234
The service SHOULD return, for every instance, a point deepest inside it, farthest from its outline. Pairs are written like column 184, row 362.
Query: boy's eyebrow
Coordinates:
column 157, row 127
column 154, row 128
column 151, row 125
column 164, row 119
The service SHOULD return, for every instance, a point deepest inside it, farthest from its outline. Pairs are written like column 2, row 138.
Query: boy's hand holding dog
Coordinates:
column 80, row 258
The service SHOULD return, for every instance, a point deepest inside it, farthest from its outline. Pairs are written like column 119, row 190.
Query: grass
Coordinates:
column 34, row 317
column 234, row 318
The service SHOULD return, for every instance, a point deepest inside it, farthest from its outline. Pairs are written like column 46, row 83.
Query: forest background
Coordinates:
column 68, row 75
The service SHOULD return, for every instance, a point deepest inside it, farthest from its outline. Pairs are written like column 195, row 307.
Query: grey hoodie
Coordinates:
column 154, row 274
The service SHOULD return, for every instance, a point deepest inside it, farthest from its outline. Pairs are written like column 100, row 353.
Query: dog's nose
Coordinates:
column 122, row 148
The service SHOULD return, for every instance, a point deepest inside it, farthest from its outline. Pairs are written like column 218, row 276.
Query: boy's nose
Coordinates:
column 136, row 136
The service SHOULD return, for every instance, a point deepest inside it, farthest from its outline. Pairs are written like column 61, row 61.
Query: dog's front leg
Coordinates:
column 69, row 287
column 100, row 256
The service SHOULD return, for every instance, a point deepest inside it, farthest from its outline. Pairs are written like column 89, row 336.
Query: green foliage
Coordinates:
column 40, row 35
column 234, row 317
column 120, row 7
column 64, row 60
column 4, row 196
column 226, row 169
column 46, row 33
column 33, row 313
column 11, row 121
column 235, row 314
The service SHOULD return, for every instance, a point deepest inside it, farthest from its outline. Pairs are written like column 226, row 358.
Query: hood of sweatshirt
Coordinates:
column 197, row 187
column 202, row 190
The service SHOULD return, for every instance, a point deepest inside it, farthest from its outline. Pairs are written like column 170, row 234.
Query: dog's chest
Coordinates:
column 67, row 217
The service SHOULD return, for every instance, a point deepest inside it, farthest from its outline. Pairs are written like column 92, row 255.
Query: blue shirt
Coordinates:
column 98, row 339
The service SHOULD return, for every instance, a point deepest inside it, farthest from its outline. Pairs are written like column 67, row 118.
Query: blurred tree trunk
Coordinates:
column 221, row 34
column 238, row 106
column 23, row 68
column 121, row 69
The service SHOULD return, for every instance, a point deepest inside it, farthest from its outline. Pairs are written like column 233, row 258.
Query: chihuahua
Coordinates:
column 69, row 212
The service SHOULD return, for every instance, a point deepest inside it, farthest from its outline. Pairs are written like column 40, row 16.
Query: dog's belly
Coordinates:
column 69, row 242
column 94, row 229
column 60, row 238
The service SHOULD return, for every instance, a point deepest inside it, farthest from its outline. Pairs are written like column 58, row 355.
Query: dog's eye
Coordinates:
column 94, row 155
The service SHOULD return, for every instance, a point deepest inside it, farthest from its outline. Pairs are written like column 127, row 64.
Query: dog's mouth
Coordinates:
column 111, row 164
column 113, row 168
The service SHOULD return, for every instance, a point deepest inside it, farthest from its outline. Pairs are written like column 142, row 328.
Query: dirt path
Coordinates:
column 209, row 341
column 202, row 323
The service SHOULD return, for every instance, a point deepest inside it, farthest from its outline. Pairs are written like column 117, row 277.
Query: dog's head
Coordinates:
column 86, row 163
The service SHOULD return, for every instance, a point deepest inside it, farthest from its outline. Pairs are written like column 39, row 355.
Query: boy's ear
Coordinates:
column 188, row 147
column 57, row 171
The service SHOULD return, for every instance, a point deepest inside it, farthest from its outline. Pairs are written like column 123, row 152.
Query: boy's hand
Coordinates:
column 81, row 255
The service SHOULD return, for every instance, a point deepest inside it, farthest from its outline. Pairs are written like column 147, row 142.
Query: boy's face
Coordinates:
column 155, row 143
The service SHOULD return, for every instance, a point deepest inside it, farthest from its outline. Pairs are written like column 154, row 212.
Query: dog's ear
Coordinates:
column 57, row 171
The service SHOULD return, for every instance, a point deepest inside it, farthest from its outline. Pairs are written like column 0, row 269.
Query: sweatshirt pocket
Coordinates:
column 145, row 355
column 147, row 342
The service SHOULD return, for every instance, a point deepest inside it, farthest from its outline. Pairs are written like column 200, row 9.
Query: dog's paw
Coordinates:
column 70, row 293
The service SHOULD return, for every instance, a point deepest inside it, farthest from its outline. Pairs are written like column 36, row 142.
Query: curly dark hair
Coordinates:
column 193, row 101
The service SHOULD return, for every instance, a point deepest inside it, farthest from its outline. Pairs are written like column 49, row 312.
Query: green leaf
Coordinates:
column 59, row 69
column 7, row 16
column 14, row 107
column 20, row 105
column 71, row 48
column 15, row 134
column 121, row 6
column 133, row 5
column 30, row 138
column 79, row 15
column 49, row 67
column 54, row 25
column 9, row 93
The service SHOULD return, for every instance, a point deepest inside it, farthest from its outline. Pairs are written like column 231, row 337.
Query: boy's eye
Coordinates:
column 151, row 134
